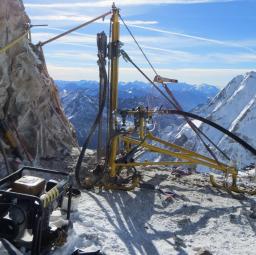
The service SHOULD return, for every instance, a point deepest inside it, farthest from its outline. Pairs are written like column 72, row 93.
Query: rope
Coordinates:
column 28, row 155
column 65, row 127
column 60, row 116
column 13, row 43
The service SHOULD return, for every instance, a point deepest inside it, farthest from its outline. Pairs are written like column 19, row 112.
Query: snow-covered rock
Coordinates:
column 197, row 220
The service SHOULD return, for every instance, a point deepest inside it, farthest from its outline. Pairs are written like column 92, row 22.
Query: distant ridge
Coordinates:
column 80, row 100
column 234, row 107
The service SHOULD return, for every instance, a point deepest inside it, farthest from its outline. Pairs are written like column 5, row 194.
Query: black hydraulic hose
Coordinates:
column 176, row 104
column 127, row 58
column 96, row 122
column 193, row 127
column 196, row 129
column 173, row 102
column 216, row 126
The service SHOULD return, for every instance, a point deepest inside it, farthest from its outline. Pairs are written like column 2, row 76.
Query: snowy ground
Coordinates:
column 199, row 219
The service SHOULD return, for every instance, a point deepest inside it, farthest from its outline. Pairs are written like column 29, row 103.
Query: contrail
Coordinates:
column 199, row 38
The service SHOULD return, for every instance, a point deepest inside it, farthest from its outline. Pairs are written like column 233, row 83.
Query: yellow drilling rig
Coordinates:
column 27, row 201
column 119, row 151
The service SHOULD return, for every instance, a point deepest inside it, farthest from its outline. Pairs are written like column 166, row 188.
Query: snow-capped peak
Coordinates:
column 234, row 108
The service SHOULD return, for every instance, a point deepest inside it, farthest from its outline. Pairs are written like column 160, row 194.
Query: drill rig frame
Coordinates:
column 123, row 144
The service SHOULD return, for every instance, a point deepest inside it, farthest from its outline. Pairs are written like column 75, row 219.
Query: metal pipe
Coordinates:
column 74, row 29
column 102, row 54
column 114, row 89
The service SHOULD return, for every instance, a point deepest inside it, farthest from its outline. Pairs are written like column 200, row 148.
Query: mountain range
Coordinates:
column 80, row 101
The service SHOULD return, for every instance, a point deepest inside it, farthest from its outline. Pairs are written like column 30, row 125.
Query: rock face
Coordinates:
column 29, row 99
column 234, row 108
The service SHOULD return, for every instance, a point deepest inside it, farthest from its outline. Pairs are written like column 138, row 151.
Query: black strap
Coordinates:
column 216, row 126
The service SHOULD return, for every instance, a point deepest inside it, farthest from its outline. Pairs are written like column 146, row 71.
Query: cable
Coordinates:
column 104, row 77
column 197, row 130
column 177, row 105
column 88, row 139
column 131, row 34
column 126, row 57
column 74, row 29
column 216, row 126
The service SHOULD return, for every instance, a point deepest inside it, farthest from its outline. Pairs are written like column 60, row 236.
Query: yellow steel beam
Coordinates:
column 191, row 158
column 114, row 90
column 142, row 128
column 176, row 147
column 151, row 163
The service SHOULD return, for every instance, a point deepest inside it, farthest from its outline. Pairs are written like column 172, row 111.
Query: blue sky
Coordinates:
column 195, row 41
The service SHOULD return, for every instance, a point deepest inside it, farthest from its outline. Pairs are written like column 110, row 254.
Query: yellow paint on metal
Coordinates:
column 187, row 157
column 114, row 92
column 151, row 163
column 179, row 148
column 142, row 127
column 50, row 196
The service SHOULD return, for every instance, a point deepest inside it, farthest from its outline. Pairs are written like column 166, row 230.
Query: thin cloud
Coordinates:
column 218, row 77
column 232, row 58
column 179, row 56
column 77, row 37
column 108, row 4
column 87, row 58
column 87, row 18
column 199, row 38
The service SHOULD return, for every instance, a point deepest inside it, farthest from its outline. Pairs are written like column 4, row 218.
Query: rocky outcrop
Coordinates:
column 29, row 100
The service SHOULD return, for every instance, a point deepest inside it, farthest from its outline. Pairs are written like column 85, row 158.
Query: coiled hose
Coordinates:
column 104, row 78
